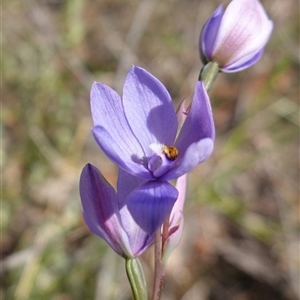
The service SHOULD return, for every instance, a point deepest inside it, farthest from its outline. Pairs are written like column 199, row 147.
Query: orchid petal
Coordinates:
column 100, row 210
column 111, row 129
column 243, row 63
column 244, row 29
column 177, row 210
column 174, row 238
column 209, row 33
column 125, row 185
column 120, row 153
column 139, row 238
column 151, row 203
column 181, row 114
column 148, row 108
column 198, row 126
column 199, row 123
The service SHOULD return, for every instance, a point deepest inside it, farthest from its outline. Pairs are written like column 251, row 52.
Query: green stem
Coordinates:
column 136, row 279
column 208, row 74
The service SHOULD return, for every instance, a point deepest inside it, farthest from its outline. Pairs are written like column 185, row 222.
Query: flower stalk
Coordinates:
column 208, row 74
column 168, row 237
column 159, row 267
column 136, row 279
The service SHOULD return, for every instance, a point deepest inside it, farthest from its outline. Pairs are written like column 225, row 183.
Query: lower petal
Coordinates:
column 243, row 63
column 125, row 185
column 149, row 206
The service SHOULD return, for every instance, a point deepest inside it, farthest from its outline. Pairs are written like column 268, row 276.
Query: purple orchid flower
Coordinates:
column 235, row 38
column 138, row 132
column 127, row 219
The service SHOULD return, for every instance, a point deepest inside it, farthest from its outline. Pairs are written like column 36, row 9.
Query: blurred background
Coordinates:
column 241, row 237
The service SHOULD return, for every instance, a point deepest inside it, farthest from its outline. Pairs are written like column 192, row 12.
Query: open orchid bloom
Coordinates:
column 126, row 219
column 235, row 38
column 138, row 131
